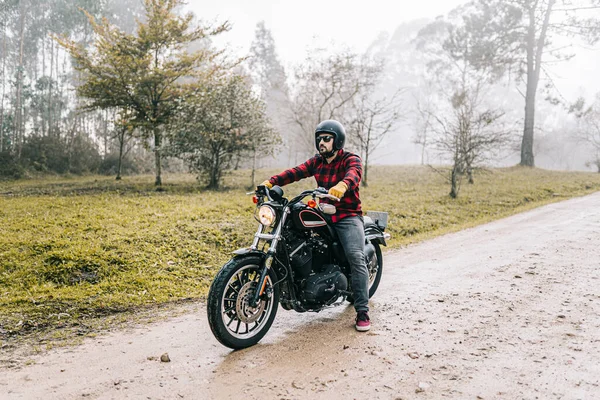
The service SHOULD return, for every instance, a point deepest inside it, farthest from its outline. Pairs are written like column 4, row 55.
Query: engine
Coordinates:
column 318, row 281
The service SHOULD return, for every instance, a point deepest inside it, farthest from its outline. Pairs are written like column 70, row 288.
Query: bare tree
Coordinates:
column 466, row 130
column 588, row 131
column 469, row 137
column 370, row 120
column 423, row 120
column 325, row 85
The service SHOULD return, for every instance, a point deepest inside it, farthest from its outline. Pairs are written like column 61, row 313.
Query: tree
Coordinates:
column 515, row 36
column 325, row 85
column 588, row 131
column 270, row 78
column 123, row 133
column 148, row 72
column 422, row 122
column 216, row 122
column 464, row 125
column 370, row 119
column 468, row 136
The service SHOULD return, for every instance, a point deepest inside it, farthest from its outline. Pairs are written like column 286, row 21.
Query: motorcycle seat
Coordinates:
column 369, row 221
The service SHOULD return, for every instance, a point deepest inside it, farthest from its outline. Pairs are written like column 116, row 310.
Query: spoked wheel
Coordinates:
column 375, row 269
column 233, row 321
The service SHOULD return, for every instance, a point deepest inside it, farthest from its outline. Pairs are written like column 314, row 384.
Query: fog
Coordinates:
column 437, row 73
column 392, row 26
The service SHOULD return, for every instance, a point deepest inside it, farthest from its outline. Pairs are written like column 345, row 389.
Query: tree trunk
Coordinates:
column 3, row 88
column 534, row 63
column 214, row 173
column 105, row 117
column 42, row 116
column 157, row 144
column 121, row 145
column 454, row 181
column 18, row 139
column 527, row 158
column 365, row 180
column 49, row 105
column 469, row 170
column 367, row 149
column 253, row 178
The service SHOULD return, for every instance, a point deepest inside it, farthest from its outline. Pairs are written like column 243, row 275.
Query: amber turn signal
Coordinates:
column 312, row 204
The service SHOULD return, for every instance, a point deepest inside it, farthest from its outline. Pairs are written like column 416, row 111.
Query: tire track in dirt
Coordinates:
column 509, row 309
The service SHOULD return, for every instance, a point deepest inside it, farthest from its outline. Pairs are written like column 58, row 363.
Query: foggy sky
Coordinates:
column 295, row 25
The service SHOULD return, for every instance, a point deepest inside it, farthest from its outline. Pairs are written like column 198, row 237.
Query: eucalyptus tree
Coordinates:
column 147, row 72
column 518, row 36
column 270, row 78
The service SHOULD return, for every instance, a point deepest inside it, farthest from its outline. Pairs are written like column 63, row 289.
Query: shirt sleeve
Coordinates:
column 304, row 170
column 353, row 175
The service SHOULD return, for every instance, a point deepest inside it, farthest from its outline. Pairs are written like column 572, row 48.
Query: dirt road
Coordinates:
column 506, row 310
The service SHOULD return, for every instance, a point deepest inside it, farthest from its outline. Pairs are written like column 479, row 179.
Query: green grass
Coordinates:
column 76, row 250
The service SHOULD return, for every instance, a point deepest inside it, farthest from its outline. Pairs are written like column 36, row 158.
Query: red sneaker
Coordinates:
column 363, row 323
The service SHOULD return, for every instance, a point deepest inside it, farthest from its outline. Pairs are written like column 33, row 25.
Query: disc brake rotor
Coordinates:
column 245, row 312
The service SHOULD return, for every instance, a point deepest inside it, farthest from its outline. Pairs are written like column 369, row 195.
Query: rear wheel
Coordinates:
column 375, row 270
column 232, row 320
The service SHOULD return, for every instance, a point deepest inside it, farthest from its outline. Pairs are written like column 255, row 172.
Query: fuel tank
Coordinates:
column 307, row 218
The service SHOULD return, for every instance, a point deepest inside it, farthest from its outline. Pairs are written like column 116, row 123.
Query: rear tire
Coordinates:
column 233, row 322
column 375, row 269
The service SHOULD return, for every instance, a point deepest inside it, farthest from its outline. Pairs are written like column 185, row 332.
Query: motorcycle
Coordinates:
column 295, row 260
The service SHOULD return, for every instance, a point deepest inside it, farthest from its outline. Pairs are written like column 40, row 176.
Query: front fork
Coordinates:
column 262, row 282
column 264, row 272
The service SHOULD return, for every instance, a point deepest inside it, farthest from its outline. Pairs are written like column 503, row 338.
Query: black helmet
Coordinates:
column 336, row 129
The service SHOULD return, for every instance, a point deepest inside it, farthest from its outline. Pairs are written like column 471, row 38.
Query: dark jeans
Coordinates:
column 351, row 232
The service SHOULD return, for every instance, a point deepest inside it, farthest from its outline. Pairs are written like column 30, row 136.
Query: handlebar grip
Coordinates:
column 327, row 196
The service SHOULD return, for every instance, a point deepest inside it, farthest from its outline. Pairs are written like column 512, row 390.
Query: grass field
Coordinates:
column 73, row 251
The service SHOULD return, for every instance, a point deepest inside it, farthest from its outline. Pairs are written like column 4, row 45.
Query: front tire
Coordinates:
column 232, row 320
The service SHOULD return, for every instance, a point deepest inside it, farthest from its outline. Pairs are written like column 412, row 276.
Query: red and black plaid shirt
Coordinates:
column 345, row 167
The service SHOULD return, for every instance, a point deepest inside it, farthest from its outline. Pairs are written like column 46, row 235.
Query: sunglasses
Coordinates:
column 326, row 139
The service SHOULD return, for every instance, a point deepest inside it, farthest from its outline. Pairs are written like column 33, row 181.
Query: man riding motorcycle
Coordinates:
column 340, row 172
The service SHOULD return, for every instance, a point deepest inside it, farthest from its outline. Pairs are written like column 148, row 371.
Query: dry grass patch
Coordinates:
column 74, row 251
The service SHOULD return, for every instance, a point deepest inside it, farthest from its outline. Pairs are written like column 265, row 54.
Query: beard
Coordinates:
column 324, row 152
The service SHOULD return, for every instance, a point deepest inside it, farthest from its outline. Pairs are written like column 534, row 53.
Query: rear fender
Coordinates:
column 373, row 234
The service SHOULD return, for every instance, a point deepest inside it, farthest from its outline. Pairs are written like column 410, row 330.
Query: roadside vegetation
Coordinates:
column 77, row 254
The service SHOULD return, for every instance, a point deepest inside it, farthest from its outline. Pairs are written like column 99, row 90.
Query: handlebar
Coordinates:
column 326, row 196
column 319, row 192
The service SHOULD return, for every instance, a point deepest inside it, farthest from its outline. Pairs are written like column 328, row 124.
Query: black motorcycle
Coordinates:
column 295, row 260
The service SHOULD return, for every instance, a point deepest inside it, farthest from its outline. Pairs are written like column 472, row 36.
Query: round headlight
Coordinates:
column 266, row 215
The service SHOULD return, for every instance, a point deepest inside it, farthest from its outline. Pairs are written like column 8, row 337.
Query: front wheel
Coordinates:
column 232, row 320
